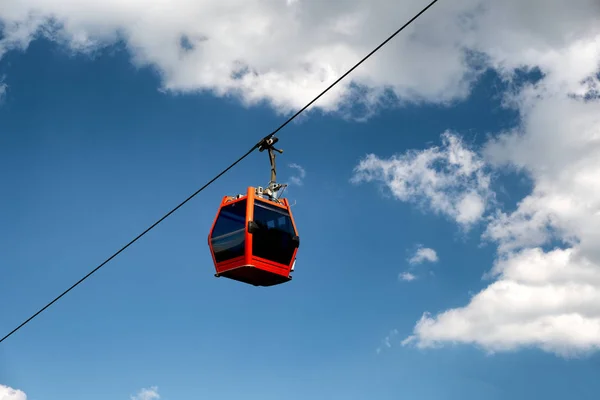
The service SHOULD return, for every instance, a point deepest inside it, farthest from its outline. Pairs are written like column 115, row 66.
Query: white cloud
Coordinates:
column 545, row 299
column 8, row 393
column 407, row 276
column 298, row 180
column 146, row 394
column 284, row 52
column 423, row 254
column 450, row 180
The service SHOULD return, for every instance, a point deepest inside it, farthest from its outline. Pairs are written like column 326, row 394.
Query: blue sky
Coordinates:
column 92, row 153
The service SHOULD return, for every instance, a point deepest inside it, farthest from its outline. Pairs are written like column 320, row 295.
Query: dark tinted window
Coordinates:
column 228, row 236
column 266, row 215
column 274, row 239
column 231, row 218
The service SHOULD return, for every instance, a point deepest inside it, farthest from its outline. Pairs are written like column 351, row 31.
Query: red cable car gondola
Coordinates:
column 253, row 238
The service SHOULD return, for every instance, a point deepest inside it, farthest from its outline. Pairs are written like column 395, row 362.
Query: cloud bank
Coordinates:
column 545, row 282
column 274, row 51
column 285, row 52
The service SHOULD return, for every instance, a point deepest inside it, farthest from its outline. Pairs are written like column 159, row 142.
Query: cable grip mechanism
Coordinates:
column 273, row 187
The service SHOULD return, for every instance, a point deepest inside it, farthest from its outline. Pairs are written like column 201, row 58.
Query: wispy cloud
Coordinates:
column 387, row 341
column 8, row 393
column 3, row 87
column 298, row 179
column 150, row 393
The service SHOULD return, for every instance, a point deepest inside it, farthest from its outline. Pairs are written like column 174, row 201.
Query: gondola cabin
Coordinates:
column 254, row 239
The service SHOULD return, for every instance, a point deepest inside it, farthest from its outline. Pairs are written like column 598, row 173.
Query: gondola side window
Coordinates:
column 228, row 235
column 273, row 241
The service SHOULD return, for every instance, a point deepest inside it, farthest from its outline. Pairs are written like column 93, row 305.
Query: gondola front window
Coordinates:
column 228, row 235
